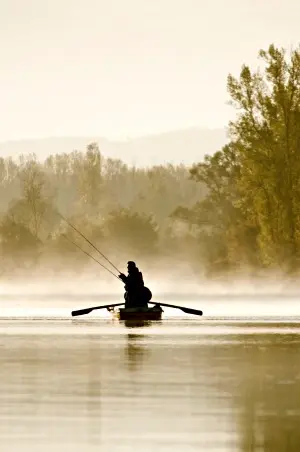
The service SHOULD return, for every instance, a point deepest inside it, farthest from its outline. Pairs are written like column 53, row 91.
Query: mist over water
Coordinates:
column 227, row 381
column 57, row 294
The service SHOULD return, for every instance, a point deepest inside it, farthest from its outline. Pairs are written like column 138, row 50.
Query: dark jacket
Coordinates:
column 134, row 281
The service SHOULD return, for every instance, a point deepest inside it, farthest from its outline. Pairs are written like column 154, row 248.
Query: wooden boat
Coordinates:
column 143, row 314
column 140, row 314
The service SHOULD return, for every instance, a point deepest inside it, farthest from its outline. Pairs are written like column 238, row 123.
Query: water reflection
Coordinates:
column 136, row 323
column 113, row 388
column 268, row 394
column 135, row 351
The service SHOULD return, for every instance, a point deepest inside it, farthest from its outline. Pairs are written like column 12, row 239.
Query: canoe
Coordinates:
column 143, row 314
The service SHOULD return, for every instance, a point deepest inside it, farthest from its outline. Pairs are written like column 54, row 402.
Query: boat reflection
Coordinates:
column 139, row 323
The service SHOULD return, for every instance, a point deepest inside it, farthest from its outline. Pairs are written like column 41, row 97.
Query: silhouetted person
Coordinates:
column 136, row 295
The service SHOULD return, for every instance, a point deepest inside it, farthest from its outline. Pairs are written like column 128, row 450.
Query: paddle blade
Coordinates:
column 182, row 308
column 82, row 311
column 192, row 311
column 88, row 310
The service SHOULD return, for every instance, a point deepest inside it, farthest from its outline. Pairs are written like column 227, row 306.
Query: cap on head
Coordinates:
column 131, row 264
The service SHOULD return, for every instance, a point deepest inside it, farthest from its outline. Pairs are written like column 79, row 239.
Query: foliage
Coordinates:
column 251, row 212
column 237, row 209
column 17, row 240
column 136, row 233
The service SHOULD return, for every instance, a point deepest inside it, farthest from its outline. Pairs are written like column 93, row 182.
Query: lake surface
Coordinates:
column 185, row 384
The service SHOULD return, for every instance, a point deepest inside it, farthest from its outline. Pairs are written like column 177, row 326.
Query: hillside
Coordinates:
column 181, row 146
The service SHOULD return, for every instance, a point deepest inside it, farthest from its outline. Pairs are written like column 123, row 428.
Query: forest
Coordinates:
column 237, row 209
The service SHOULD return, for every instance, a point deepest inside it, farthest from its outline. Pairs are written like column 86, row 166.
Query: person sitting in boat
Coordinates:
column 136, row 295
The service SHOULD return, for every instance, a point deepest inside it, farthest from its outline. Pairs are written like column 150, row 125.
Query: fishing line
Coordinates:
column 89, row 242
column 69, row 240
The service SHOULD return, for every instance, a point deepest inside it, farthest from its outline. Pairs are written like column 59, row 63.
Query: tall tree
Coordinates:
column 91, row 177
column 267, row 136
column 35, row 204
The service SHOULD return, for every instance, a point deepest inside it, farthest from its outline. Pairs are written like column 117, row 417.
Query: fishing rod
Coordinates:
column 69, row 240
column 89, row 242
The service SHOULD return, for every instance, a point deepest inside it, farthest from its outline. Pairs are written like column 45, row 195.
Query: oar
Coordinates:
column 182, row 308
column 88, row 310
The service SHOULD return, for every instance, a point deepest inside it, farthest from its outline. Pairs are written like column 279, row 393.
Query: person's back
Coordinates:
column 134, row 279
column 137, row 295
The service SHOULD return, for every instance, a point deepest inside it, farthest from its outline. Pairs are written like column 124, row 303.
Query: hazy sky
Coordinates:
column 127, row 67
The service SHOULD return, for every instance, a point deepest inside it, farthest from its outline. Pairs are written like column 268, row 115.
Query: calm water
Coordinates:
column 186, row 384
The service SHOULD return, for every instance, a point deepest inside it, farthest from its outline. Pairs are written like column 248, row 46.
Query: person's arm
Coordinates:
column 123, row 277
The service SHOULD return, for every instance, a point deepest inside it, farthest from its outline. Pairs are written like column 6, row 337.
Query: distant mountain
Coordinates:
column 180, row 146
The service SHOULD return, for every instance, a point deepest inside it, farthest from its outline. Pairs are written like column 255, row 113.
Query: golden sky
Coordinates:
column 122, row 68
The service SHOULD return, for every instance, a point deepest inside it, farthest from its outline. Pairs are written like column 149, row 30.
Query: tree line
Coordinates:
column 238, row 208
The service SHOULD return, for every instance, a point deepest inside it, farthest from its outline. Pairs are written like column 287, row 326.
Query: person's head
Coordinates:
column 131, row 267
